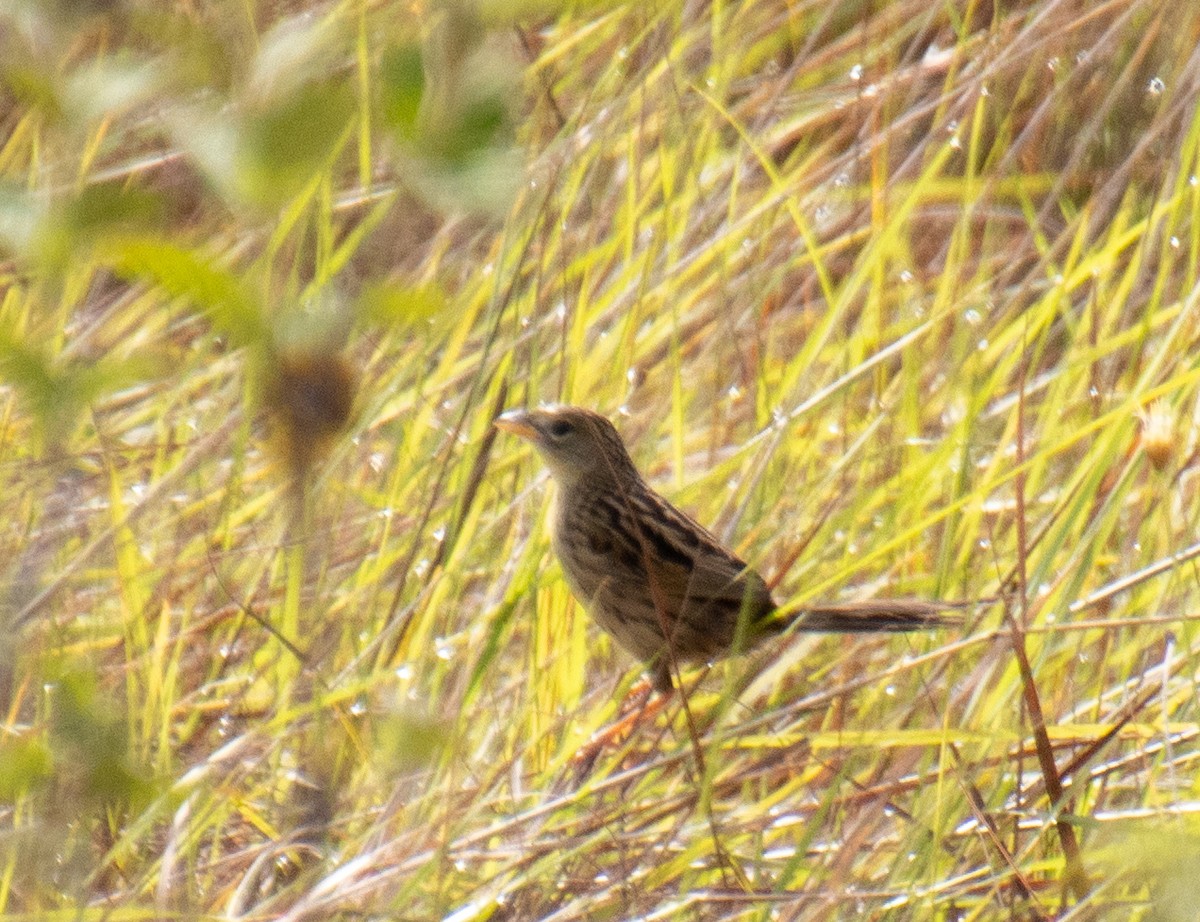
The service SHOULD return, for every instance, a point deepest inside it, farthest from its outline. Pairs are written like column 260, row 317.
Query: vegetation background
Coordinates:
column 900, row 298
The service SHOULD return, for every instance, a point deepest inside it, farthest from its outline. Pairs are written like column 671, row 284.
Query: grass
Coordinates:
column 900, row 299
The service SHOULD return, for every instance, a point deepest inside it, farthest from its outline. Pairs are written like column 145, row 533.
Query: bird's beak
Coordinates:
column 518, row 423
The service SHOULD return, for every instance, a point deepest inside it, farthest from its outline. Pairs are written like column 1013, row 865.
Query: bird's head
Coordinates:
column 575, row 443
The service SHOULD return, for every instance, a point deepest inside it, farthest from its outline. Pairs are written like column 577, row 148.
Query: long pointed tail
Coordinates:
column 871, row 616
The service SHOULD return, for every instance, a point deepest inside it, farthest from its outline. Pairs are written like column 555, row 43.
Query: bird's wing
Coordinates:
column 695, row 574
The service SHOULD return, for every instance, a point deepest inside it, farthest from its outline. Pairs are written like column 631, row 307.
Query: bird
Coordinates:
column 663, row 586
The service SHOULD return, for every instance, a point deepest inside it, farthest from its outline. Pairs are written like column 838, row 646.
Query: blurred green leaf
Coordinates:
column 21, row 214
column 293, row 53
column 73, row 229
column 55, row 235
column 486, row 181
column 402, row 85
column 56, row 392
column 25, row 764
column 107, row 206
column 283, row 146
column 264, row 155
column 405, row 740
column 481, row 126
column 392, row 305
column 90, row 734
column 183, row 273
column 213, row 139
column 35, row 89
column 1161, row 855
column 109, row 87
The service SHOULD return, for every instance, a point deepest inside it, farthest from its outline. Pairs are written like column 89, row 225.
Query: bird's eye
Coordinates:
column 560, row 428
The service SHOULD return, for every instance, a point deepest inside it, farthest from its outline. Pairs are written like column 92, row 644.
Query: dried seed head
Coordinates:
column 310, row 395
column 1158, row 433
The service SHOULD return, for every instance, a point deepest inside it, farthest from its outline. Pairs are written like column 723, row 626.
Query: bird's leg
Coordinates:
column 640, row 705
column 637, row 697
column 657, row 680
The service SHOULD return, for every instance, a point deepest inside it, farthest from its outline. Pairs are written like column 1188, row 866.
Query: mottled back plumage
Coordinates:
column 656, row 580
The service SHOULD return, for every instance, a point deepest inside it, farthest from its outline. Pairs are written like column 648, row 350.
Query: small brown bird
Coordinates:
column 655, row 579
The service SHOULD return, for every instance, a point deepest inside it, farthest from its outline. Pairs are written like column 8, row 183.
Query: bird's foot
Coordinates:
column 637, row 697
column 640, row 706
